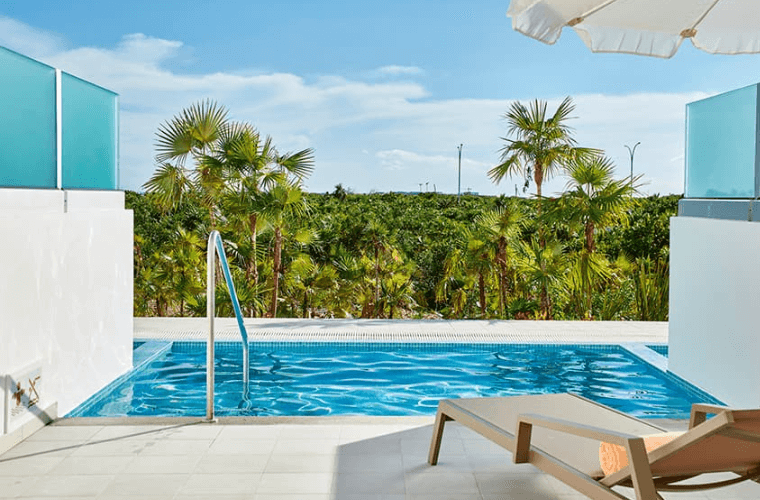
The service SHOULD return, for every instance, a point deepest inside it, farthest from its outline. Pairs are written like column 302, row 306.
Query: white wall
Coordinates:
column 714, row 323
column 66, row 289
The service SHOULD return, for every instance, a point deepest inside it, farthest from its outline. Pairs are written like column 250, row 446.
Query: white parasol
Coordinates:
column 645, row 27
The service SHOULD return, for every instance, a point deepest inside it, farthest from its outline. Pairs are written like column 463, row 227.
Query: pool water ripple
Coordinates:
column 389, row 379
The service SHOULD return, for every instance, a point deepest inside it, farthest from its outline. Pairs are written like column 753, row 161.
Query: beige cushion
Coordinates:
column 612, row 457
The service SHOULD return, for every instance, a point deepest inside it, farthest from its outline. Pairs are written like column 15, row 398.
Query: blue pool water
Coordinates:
column 384, row 379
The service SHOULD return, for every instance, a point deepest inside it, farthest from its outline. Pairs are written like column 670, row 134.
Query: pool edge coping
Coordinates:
column 268, row 420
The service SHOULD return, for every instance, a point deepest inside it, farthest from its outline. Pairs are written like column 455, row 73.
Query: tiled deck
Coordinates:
column 389, row 330
column 348, row 458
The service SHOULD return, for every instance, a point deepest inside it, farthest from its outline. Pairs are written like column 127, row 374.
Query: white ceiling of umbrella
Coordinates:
column 646, row 27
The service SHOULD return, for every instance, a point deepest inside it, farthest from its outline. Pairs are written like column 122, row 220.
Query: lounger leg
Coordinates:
column 435, row 443
column 641, row 474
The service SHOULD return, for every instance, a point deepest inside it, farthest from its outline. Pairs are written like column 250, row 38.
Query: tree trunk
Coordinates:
column 305, row 306
column 252, row 223
column 138, row 261
column 253, row 267
column 367, row 310
column 502, row 261
column 538, row 178
column 276, row 271
column 590, row 247
column 377, row 282
column 482, row 290
column 182, row 298
column 545, row 304
column 212, row 217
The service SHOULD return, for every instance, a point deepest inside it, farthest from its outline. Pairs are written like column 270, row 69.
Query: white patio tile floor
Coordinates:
column 358, row 459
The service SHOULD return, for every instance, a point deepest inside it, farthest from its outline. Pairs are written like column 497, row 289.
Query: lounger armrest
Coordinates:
column 699, row 412
column 525, row 423
column 641, row 472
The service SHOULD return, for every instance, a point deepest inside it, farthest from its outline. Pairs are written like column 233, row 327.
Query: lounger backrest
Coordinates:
column 730, row 441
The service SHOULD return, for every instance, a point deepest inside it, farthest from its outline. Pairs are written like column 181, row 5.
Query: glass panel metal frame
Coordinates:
column 89, row 129
column 27, row 122
column 721, row 159
column 64, row 130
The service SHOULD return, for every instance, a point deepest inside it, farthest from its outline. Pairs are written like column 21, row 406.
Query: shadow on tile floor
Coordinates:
column 394, row 466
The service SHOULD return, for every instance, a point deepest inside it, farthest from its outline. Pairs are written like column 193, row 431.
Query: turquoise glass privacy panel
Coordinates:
column 27, row 122
column 90, row 135
column 721, row 145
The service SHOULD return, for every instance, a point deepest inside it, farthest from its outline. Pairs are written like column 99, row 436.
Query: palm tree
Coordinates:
column 377, row 238
column 340, row 192
column 542, row 146
column 186, row 257
column 351, row 282
column 501, row 227
column 545, row 267
column 191, row 135
column 227, row 163
column 253, row 165
column 398, row 292
column 282, row 202
column 593, row 200
column 651, row 287
column 465, row 269
column 309, row 281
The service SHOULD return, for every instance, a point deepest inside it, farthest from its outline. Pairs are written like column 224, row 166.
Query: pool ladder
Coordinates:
column 215, row 245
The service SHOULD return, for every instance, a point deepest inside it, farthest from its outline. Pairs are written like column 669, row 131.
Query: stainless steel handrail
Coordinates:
column 215, row 245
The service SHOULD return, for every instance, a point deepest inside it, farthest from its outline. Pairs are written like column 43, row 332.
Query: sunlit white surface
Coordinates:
column 714, row 299
column 66, row 294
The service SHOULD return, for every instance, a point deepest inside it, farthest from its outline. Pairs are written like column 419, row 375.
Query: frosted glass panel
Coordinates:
column 89, row 135
column 27, row 122
column 721, row 144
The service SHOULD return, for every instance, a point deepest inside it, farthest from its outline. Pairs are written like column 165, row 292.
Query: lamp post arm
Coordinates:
column 632, row 152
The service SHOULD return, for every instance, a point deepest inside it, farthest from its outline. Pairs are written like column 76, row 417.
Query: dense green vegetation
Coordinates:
column 594, row 252
column 424, row 252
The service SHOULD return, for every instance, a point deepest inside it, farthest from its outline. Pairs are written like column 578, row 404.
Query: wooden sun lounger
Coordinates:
column 560, row 434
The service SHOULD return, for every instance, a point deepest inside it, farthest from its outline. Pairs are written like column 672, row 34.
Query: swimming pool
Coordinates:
column 292, row 378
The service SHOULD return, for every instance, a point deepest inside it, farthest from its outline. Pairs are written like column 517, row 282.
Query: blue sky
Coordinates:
column 384, row 92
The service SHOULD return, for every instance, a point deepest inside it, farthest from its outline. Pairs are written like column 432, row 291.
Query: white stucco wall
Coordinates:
column 66, row 289
column 714, row 328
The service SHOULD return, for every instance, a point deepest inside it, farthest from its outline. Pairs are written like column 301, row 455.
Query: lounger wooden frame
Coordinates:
column 647, row 473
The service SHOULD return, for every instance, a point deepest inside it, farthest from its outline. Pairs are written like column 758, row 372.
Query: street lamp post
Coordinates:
column 632, row 152
column 459, row 182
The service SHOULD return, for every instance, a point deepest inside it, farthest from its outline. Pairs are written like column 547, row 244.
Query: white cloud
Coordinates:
column 27, row 40
column 361, row 130
column 395, row 70
column 398, row 159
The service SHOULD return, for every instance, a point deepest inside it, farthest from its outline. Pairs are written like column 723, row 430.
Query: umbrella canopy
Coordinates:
column 645, row 27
